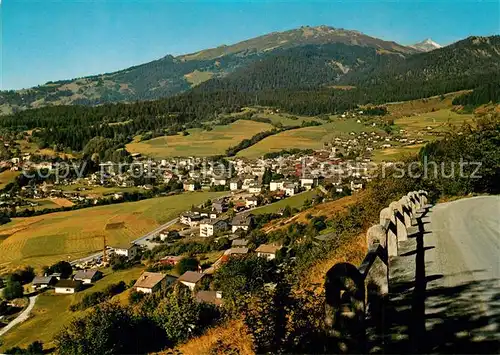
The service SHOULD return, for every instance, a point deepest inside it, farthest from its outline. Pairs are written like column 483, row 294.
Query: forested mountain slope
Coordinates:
column 466, row 64
column 171, row 75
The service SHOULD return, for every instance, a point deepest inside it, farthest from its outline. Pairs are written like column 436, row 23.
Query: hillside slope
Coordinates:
column 466, row 64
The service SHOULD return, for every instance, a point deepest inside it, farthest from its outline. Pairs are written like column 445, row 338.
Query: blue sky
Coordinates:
column 62, row 39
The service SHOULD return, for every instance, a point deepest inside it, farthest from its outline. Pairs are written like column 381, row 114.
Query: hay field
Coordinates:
column 439, row 121
column 199, row 142
column 295, row 201
column 42, row 240
column 305, row 138
column 416, row 126
column 7, row 177
column 406, row 108
column 396, row 153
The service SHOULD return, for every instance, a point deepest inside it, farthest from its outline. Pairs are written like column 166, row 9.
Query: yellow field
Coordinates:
column 396, row 153
column 438, row 120
column 99, row 190
column 304, row 138
column 406, row 108
column 42, row 240
column 48, row 203
column 199, row 142
column 197, row 77
column 7, row 177
column 32, row 148
column 416, row 126
column 51, row 312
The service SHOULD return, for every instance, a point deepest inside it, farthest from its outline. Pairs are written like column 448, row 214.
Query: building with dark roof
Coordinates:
column 87, row 276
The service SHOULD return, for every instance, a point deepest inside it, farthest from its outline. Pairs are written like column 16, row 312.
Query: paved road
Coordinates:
column 142, row 240
column 466, row 236
column 447, row 280
column 21, row 317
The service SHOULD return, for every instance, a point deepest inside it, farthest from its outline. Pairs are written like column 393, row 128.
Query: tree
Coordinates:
column 118, row 262
column 241, row 276
column 35, row 348
column 107, row 329
column 267, row 177
column 62, row 267
column 187, row 264
column 24, row 276
column 181, row 317
column 287, row 211
column 12, row 290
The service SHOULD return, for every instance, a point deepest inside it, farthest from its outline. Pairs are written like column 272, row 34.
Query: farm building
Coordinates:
column 129, row 250
column 191, row 279
column 150, row 282
column 68, row 286
column 41, row 282
column 87, row 276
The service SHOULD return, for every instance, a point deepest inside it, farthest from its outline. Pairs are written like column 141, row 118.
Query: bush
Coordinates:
column 118, row 262
column 187, row 264
column 23, row 276
column 135, row 297
column 13, row 290
column 93, row 299
column 35, row 348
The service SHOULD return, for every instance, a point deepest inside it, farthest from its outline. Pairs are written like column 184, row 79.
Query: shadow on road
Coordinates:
column 425, row 317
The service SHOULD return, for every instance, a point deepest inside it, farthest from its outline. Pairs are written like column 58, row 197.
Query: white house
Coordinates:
column 150, row 282
column 241, row 222
column 68, row 286
column 290, row 189
column 356, row 186
column 307, row 182
column 130, row 251
column 41, row 282
column 191, row 219
column 247, row 183
column 254, row 189
column 189, row 186
column 235, row 185
column 191, row 279
column 251, row 202
column 267, row 251
column 209, row 227
column 219, row 182
column 276, row 185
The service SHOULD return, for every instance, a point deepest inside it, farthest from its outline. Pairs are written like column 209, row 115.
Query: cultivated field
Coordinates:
column 42, row 240
column 51, row 312
column 199, row 142
column 7, row 177
column 294, row 202
column 406, row 108
column 395, row 153
column 305, row 138
column 428, row 126
column 48, row 203
column 98, row 190
column 439, row 121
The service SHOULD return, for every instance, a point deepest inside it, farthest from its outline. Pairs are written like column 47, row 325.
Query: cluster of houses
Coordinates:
column 215, row 221
column 66, row 286
column 150, row 282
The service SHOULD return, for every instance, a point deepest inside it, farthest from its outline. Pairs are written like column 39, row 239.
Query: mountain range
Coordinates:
column 301, row 58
